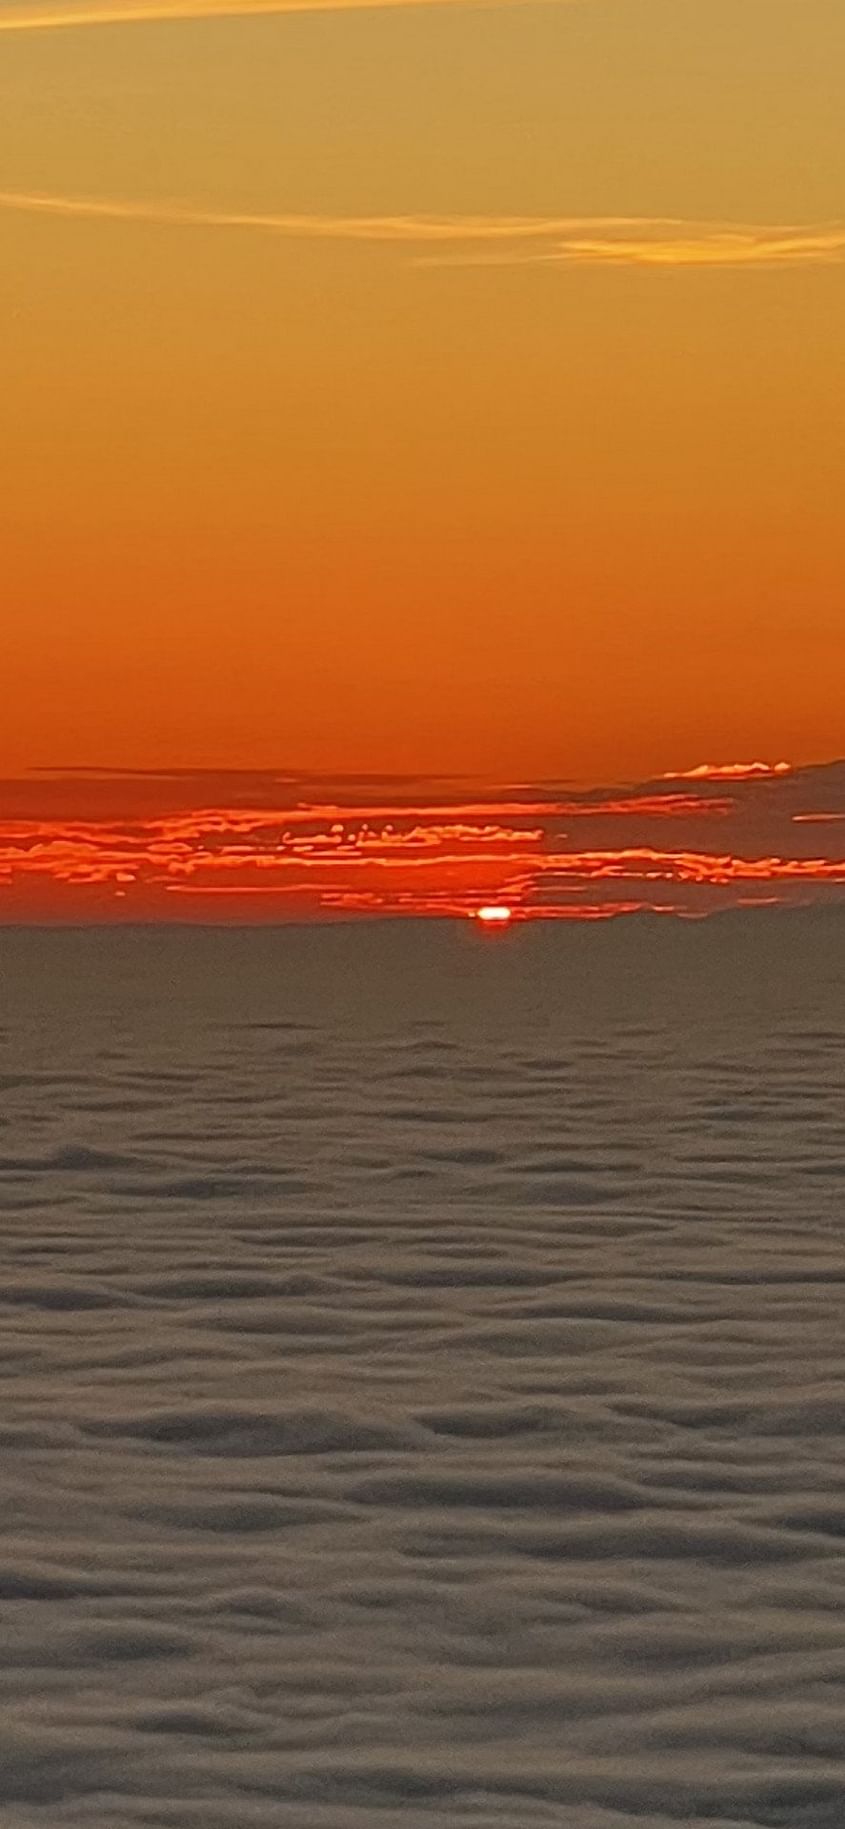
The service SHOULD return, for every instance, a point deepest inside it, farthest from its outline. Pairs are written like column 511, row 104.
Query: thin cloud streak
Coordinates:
column 59, row 17
column 321, row 227
column 655, row 241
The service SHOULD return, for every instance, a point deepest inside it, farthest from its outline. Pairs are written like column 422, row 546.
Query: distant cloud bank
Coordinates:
column 113, row 845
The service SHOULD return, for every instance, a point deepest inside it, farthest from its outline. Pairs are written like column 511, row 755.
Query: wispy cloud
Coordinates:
column 54, row 15
column 655, row 241
column 664, row 242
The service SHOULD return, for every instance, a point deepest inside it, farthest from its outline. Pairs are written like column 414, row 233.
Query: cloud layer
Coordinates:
column 264, row 846
column 423, row 1378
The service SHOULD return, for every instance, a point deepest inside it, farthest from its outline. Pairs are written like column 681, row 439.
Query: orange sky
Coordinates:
column 429, row 389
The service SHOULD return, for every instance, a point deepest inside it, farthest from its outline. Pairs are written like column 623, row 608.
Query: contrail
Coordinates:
column 626, row 241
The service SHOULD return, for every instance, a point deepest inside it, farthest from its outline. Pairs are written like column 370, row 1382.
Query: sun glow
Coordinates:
column 494, row 914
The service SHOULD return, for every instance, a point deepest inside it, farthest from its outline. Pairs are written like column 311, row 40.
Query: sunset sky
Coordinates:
column 442, row 391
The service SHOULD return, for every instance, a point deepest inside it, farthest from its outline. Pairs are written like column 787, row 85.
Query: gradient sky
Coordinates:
column 435, row 388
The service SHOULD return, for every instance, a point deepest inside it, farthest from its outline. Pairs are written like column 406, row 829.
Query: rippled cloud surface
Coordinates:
column 423, row 1377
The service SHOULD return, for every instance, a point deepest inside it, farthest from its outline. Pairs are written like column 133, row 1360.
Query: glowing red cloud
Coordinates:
column 494, row 859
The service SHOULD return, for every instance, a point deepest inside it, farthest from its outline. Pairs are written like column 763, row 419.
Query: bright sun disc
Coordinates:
column 495, row 913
